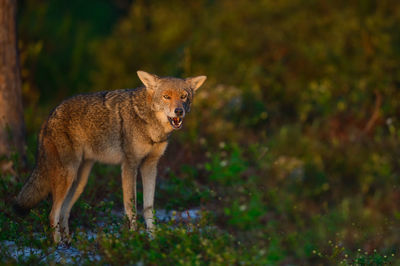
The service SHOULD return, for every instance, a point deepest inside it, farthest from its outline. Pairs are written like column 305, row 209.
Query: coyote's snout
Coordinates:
column 127, row 127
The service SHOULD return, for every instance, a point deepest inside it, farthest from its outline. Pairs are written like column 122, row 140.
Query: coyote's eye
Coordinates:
column 167, row 97
column 183, row 96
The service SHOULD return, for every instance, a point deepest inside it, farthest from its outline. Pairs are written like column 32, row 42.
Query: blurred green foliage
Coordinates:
column 293, row 140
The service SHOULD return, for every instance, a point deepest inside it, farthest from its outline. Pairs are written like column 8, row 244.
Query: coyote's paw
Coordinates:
column 56, row 236
column 150, row 230
column 65, row 242
column 132, row 225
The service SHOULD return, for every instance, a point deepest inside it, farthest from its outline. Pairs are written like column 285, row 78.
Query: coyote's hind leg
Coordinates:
column 62, row 177
column 74, row 192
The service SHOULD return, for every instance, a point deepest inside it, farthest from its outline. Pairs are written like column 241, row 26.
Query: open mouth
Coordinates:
column 176, row 122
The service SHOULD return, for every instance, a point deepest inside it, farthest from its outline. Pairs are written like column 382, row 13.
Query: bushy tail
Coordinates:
column 36, row 188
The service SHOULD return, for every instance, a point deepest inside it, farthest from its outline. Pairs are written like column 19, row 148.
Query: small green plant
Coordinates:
column 246, row 215
column 227, row 165
column 182, row 191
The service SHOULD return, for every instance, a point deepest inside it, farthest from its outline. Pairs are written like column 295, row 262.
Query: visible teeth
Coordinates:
column 176, row 121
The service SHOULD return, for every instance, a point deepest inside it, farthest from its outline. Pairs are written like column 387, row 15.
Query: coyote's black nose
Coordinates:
column 179, row 111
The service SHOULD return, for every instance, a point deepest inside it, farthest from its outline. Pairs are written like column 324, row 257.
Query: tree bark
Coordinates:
column 12, row 128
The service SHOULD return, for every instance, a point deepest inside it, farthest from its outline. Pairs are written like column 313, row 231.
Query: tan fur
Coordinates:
column 127, row 127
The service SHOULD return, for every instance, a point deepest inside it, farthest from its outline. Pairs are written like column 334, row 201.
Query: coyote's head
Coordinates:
column 170, row 97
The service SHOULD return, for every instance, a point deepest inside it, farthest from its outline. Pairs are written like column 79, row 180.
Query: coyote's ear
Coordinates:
column 196, row 82
column 149, row 80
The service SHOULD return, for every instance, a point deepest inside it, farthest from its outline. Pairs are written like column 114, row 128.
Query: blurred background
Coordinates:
column 293, row 141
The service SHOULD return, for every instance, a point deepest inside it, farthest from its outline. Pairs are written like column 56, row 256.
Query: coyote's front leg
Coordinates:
column 148, row 170
column 149, row 173
column 129, row 172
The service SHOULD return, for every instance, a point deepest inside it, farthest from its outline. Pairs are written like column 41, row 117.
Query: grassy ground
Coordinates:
column 255, row 207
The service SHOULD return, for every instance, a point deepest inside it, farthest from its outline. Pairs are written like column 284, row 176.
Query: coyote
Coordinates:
column 128, row 127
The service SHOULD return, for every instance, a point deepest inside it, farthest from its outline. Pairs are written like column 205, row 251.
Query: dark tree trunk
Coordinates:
column 11, row 112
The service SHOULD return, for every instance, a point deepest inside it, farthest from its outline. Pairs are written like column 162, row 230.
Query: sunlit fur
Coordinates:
column 127, row 127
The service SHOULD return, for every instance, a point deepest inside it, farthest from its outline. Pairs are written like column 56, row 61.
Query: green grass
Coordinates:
column 253, row 212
